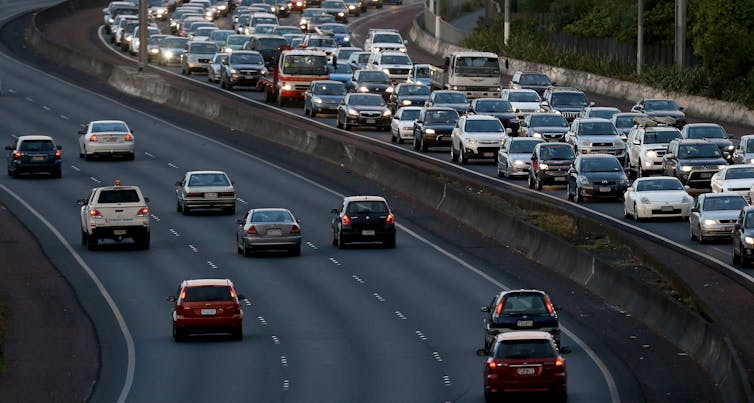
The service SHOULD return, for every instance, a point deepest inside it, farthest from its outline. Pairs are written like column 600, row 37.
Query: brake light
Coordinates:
column 232, row 293
column 499, row 307
column 129, row 137
column 93, row 138
column 295, row 229
column 390, row 219
column 57, row 154
column 252, row 230
column 345, row 220
column 144, row 211
column 17, row 155
column 559, row 362
column 492, row 364
column 183, row 295
column 550, row 308
column 95, row 213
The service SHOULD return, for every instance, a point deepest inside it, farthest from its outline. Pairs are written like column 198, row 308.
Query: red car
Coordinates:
column 525, row 361
column 207, row 306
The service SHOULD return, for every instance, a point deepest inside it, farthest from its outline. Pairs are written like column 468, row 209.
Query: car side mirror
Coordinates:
column 637, row 142
column 680, row 108
column 179, row 183
column 81, row 202
column 334, row 211
column 565, row 350
column 737, row 226
column 630, row 189
column 591, row 104
column 523, row 124
column 58, row 147
column 485, row 309
column 553, row 83
column 171, row 298
column 146, row 200
column 104, row 11
column 687, row 188
column 239, row 221
column 544, row 103
column 241, row 297
column 695, row 209
column 225, row 62
column 669, row 156
column 82, row 131
column 482, row 352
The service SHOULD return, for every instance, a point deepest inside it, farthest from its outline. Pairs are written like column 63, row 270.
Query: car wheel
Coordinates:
column 626, row 214
column 700, row 237
column 313, row 113
column 229, row 86
column 222, row 84
column 462, row 159
column 636, row 214
column 178, row 335
column 692, row 236
column 239, row 250
column 295, row 251
column 337, row 123
column 281, row 99
column 13, row 173
column 91, row 242
column 246, row 250
column 423, row 145
column 736, row 257
column 569, row 195
column 577, row 196
column 58, row 173
column 131, row 156
column 306, row 108
column 237, row 335
column 84, row 237
column 537, row 184
column 390, row 242
column 452, row 154
column 416, row 145
column 346, row 126
column 491, row 397
column 230, row 210
column 178, row 207
column 185, row 210
column 639, row 171
column 530, row 179
column 209, row 78
column 341, row 243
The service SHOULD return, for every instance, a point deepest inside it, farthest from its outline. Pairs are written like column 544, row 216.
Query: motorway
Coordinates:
column 363, row 325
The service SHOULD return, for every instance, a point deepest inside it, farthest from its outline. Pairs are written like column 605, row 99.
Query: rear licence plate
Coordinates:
column 371, row 121
column 275, row 232
column 525, row 323
column 119, row 232
column 489, row 154
column 367, row 232
column 606, row 189
column 209, row 312
column 38, row 158
column 525, row 371
column 210, row 195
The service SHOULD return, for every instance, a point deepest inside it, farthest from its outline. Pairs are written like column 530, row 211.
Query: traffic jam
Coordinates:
column 301, row 55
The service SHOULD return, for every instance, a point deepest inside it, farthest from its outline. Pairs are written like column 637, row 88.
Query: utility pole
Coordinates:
column 507, row 22
column 680, row 33
column 640, row 37
column 143, row 30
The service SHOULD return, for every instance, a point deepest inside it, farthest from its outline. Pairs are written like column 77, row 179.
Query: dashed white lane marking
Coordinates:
column 64, row 117
column 29, row 99
column 155, row 217
column 170, row 164
column 286, row 384
column 47, row 108
column 193, row 248
column 358, row 279
column 262, row 320
column 14, row 136
column 379, row 297
column 311, row 245
column 150, row 155
column 421, row 335
column 240, row 200
column 75, row 168
column 400, row 315
column 446, row 380
column 12, row 91
column 437, row 356
column 211, row 264
column 95, row 180
column 335, row 262
column 275, row 340
column 283, row 361
column 248, row 303
column 174, row 232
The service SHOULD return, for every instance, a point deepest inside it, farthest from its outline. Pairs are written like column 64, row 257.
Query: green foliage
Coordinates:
column 659, row 22
column 531, row 6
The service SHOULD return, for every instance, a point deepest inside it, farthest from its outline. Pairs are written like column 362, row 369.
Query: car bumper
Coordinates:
column 119, row 233
column 359, row 121
column 717, row 230
column 358, row 235
column 244, row 80
column 324, row 108
column 697, row 179
column 36, row 167
column 497, row 385
column 198, row 66
column 406, row 133
column 481, row 151
column 598, row 192
column 652, row 210
column 209, row 324
column 282, row 242
column 210, row 203
column 552, row 177
column 110, row 149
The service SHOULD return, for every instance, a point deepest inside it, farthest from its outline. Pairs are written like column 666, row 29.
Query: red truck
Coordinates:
column 295, row 70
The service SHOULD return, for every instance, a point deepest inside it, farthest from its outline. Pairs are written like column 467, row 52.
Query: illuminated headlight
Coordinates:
column 317, row 100
column 536, row 135
column 341, row 14
column 376, row 50
column 430, row 131
column 351, row 7
column 363, row 89
column 652, row 154
column 264, row 72
column 645, row 200
column 128, row 38
column 470, row 141
column 495, row 89
column 272, row 9
column 353, row 112
column 209, row 13
column 299, row 4
column 454, row 88
column 406, row 102
column 687, row 199
column 110, row 20
column 730, row 147
column 544, row 167
column 749, row 240
column 169, row 55
column 710, row 222
column 387, row 112
column 222, row 7
column 234, row 71
column 403, row 49
column 583, row 180
column 519, row 163
column 720, row 167
column 389, row 89
column 229, row 50
column 287, row 86
column 282, row 8
column 686, row 168
column 302, row 21
column 386, row 71
column 154, row 51
column 751, row 161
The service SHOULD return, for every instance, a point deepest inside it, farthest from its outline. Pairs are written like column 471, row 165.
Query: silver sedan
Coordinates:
column 205, row 189
column 268, row 229
column 714, row 215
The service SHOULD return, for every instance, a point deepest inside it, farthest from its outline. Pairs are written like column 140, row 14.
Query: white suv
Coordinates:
column 647, row 146
column 115, row 212
column 384, row 39
column 395, row 64
column 476, row 136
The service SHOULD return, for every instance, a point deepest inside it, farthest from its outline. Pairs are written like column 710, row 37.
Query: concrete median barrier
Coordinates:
column 504, row 215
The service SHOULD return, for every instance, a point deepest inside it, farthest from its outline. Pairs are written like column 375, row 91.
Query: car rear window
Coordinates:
column 271, row 216
column 36, row 145
column 208, row 180
column 109, row 127
column 208, row 293
column 525, row 349
column 365, row 207
column 524, row 303
column 118, row 196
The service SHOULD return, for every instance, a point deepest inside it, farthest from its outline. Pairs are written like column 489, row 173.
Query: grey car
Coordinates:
column 268, row 229
column 323, row 96
column 205, row 190
column 171, row 49
column 514, row 157
column 197, row 56
column 215, row 66
column 242, row 67
column 744, row 152
column 714, row 215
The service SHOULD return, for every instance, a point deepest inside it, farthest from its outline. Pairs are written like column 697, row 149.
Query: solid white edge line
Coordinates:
column 131, row 350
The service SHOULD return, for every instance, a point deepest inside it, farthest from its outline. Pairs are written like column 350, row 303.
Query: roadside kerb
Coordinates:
column 471, row 205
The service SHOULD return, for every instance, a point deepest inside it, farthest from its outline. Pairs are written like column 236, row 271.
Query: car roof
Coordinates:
column 207, row 282
column 439, row 108
column 603, row 108
column 693, row 141
column 105, row 188
column 596, row 156
column 107, row 121
column 205, row 172
column 690, row 125
column 392, row 52
column 593, row 119
column 411, row 108
column 523, row 335
column 530, row 72
column 34, row 137
column 326, row 82
column 662, row 178
column 481, row 117
column 660, row 129
column 270, row 209
column 522, row 90
column 364, row 198
column 720, row 194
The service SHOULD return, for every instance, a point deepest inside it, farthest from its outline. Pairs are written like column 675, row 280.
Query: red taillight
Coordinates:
column 57, row 154
column 390, row 219
column 345, row 220
column 559, row 362
column 183, row 295
column 93, row 138
column 499, row 307
column 295, row 229
column 143, row 212
column 252, row 230
column 129, row 137
column 550, row 308
column 232, row 293
column 17, row 155
column 95, row 213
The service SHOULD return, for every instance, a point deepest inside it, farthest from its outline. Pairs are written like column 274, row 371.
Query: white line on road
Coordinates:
column 421, row 335
column 193, row 248
column 47, row 108
column 446, row 380
column 150, row 155
column 174, row 232
column 275, row 340
column 95, row 180
column 400, row 315
column 211, row 264
column 379, row 297
column 170, row 164
column 283, row 361
column 14, row 136
column 262, row 320
column 240, row 200
column 29, row 99
column 286, row 384
column 75, row 168
column 12, row 91
column 155, row 217
column 437, row 357
column 358, row 279
column 64, row 117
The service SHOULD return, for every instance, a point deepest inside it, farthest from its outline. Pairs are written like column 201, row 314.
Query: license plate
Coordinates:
column 666, row 208
column 525, row 371
column 210, row 195
column 560, row 179
column 209, row 312
column 274, row 232
column 38, row 158
column 525, row 323
column 489, row 154
column 249, row 76
column 371, row 121
column 705, row 175
column 367, row 232
column 119, row 232
column 606, row 189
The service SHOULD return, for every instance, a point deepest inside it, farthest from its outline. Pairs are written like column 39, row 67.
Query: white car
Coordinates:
column 734, row 178
column 106, row 137
column 524, row 102
column 395, row 64
column 114, row 212
column 647, row 146
column 205, row 189
column 402, row 125
column 384, row 39
column 652, row 197
column 476, row 136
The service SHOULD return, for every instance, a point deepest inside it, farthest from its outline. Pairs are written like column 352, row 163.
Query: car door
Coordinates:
column 181, row 188
column 394, row 123
column 502, row 155
column 668, row 163
column 630, row 197
column 694, row 216
column 737, row 229
column 738, row 153
column 716, row 183
column 571, row 136
column 634, row 145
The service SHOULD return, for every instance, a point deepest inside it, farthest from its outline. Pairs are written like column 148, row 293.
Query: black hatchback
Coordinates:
column 363, row 219
column 520, row 310
column 33, row 154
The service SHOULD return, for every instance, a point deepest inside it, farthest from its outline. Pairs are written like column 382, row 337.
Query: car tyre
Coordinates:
column 84, row 238
column 186, row 210
column 91, row 242
column 462, row 158
column 313, row 113
column 337, row 123
column 453, row 157
column 636, row 214
column 58, row 173
column 530, row 179
column 178, row 335
column 295, row 251
column 246, row 250
column 626, row 214
column 222, row 84
column 131, row 156
column 230, row 210
column 423, row 145
column 340, row 243
column 390, row 243
column 736, row 257
column 142, row 241
column 239, row 250
column 178, row 207
column 416, row 144
column 237, row 334
column 569, row 195
column 700, row 237
column 346, row 126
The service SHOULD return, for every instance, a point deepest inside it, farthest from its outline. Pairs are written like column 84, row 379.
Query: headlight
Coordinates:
column 544, row 167
column 110, row 20
column 406, row 102
column 583, row 180
column 340, row 14
column 710, row 222
column 645, row 200
column 264, row 72
column 346, row 39
column 585, row 143
column 403, row 50
column 536, row 135
column 387, row 112
column 623, row 180
column 751, row 161
column 234, row 71
column 519, row 163
column 169, row 55
column 749, row 240
column 154, row 51
column 377, row 50
column 730, row 147
column 363, row 89
column 287, row 86
column 389, row 89
column 430, row 131
column 686, row 168
column 353, row 112
column 652, row 154
column 351, row 7
column 687, row 199
column 317, row 100
column 720, row 167
column 386, row 71
column 299, row 4
column 222, row 7
column 128, row 38
column 470, row 141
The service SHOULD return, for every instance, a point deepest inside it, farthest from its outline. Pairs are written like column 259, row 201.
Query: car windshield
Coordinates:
column 207, row 293
column 749, row 222
column 218, row 35
column 334, row 28
column 345, row 54
column 706, row 132
column 410, row 114
column 451, row 98
column 603, row 113
column 660, row 105
column 333, row 4
column 655, row 185
column 322, row 43
column 523, row 146
column 264, row 20
column 340, row 68
column 374, row 77
column 238, row 39
column 548, row 121
column 600, row 165
column 750, row 146
column 330, row 89
column 471, row 66
column 262, row 216
column 556, row 153
column 281, row 30
column 264, row 28
column 739, row 173
column 447, row 117
column 36, row 145
column 625, row 121
column 483, row 126
column 597, row 128
column 718, row 203
column 518, row 349
column 118, row 196
column 205, row 31
column 174, row 43
column 208, row 179
column 366, row 100
column 534, row 79
column 698, row 151
column 109, row 127
column 415, row 90
column 421, row 72
column 661, row 137
column 523, row 96
column 576, row 99
column 387, row 38
column 155, row 39
column 203, row 48
column 322, row 19
column 245, row 58
column 305, row 64
column 395, row 59
column 362, row 57
column 366, row 207
column 218, row 59
column 496, row 106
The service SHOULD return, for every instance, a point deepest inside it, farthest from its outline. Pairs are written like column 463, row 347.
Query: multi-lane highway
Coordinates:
column 365, row 324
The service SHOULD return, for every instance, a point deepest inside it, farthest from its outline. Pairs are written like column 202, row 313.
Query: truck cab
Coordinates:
column 477, row 74
column 295, row 70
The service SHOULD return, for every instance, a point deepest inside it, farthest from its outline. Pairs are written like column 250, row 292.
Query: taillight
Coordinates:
column 232, row 293
column 57, row 154
column 345, row 220
column 252, row 230
column 499, row 307
column 183, row 295
column 144, row 211
column 95, row 213
column 295, row 229
column 93, row 138
column 390, row 219
column 550, row 308
column 492, row 364
column 559, row 362
column 17, row 155
column 129, row 137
